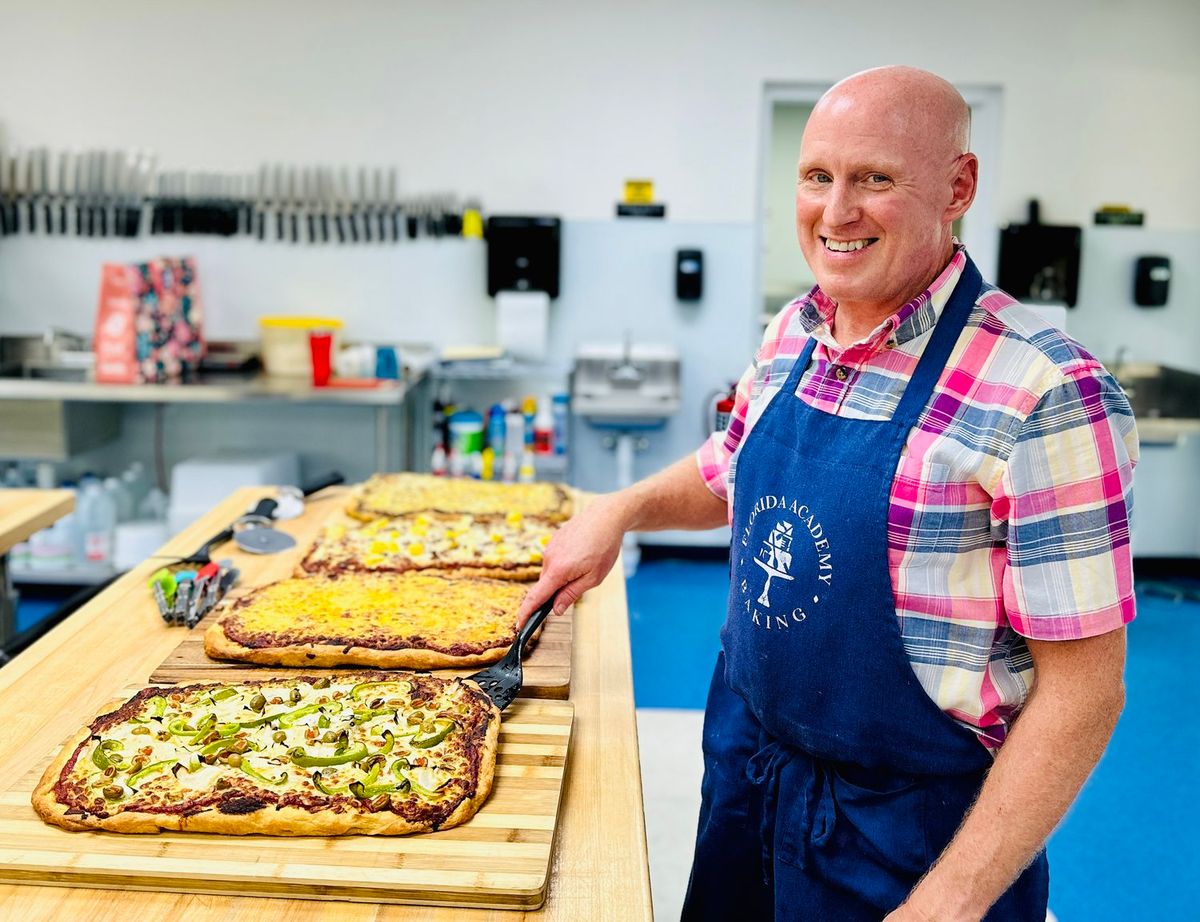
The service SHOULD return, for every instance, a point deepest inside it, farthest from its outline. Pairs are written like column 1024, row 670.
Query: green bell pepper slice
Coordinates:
column 180, row 727
column 150, row 769
column 420, row 789
column 353, row 754
column 101, row 756
column 260, row 777
column 365, row 791
column 441, row 729
column 389, row 741
column 327, row 791
column 289, row 718
column 157, row 706
column 358, row 691
column 361, row 717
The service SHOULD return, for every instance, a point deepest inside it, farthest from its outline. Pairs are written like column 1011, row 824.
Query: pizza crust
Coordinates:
column 314, row 565
column 218, row 645
column 273, row 821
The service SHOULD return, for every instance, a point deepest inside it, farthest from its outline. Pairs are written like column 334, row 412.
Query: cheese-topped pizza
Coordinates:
column 374, row 753
column 507, row 547
column 403, row 494
column 384, row 620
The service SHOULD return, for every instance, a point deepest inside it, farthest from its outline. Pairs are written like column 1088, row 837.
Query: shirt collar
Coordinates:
column 815, row 312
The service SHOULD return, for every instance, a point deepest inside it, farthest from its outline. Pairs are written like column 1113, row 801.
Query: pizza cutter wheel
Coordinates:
column 254, row 534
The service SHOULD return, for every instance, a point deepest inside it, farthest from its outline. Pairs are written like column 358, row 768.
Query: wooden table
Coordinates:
column 23, row 512
column 599, row 867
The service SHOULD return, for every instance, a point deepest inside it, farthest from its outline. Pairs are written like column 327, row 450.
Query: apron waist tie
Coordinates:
column 764, row 770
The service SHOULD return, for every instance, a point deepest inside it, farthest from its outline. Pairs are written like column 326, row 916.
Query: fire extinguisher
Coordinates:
column 719, row 409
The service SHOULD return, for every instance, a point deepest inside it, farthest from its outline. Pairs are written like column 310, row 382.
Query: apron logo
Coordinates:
column 775, row 556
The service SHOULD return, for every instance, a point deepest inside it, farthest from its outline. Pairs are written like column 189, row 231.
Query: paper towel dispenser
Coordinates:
column 523, row 253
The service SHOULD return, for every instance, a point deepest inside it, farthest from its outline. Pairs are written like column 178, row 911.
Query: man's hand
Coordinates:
column 578, row 557
column 582, row 552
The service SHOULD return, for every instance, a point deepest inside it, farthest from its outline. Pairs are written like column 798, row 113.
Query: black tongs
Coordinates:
column 503, row 680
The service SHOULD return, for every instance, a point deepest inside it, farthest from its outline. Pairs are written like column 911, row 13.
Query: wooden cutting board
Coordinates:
column 547, row 667
column 498, row 860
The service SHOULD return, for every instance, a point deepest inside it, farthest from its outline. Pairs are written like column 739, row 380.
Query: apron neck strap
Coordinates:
column 937, row 351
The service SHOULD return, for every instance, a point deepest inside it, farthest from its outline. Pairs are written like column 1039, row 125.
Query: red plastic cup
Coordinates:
column 320, row 343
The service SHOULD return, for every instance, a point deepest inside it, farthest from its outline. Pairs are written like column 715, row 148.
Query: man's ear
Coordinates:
column 963, row 183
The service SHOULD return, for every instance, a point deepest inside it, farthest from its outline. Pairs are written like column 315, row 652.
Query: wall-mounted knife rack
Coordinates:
column 105, row 193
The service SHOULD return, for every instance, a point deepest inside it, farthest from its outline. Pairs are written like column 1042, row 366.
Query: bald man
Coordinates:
column 928, row 488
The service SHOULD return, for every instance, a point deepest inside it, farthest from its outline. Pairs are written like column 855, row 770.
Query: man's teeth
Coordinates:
column 845, row 246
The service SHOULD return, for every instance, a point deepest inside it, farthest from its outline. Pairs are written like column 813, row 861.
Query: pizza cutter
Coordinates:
column 503, row 681
column 255, row 531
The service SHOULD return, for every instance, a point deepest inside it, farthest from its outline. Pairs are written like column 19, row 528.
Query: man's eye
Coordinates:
column 821, row 178
column 878, row 179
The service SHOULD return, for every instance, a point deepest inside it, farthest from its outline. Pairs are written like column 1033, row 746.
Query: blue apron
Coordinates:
column 832, row 780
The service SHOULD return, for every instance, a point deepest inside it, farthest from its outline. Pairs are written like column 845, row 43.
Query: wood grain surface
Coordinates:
column 23, row 512
column 546, row 667
column 599, row 871
column 499, row 858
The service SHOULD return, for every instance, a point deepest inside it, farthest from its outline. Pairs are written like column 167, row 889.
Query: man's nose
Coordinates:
column 841, row 205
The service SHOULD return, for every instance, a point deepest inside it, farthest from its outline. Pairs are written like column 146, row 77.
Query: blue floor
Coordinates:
column 1126, row 851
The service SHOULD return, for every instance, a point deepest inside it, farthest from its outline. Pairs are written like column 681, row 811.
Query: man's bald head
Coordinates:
column 884, row 172
column 913, row 102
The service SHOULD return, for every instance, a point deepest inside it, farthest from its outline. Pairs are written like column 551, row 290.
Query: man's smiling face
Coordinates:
column 876, row 191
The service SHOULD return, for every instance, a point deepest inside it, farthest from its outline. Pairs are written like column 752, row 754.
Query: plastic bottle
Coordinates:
column 122, row 499
column 561, row 409
column 136, row 482
column 497, row 430
column 154, row 506
column 45, row 476
column 97, row 513
column 526, row 472
column 488, row 464
column 529, row 411
column 437, row 463
column 543, row 429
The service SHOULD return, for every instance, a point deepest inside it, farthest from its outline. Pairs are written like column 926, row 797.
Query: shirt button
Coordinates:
column 890, row 344
column 840, row 373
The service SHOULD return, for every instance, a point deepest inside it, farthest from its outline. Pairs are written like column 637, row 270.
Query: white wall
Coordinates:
column 548, row 106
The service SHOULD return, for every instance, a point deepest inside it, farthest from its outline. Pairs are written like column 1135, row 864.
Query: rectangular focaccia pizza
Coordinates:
column 381, row 620
column 368, row 753
column 405, row 494
column 502, row 547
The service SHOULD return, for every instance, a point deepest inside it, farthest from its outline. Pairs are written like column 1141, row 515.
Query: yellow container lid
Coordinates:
column 300, row 323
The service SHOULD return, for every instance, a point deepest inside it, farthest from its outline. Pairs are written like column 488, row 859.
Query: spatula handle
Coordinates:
column 534, row 622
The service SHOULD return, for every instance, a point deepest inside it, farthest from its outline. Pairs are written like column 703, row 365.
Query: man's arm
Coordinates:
column 582, row 552
column 1077, row 695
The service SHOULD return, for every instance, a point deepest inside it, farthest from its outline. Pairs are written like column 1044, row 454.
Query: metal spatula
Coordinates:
column 503, row 680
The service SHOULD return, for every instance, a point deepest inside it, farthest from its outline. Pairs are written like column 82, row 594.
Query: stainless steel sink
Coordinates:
column 629, row 385
column 1159, row 391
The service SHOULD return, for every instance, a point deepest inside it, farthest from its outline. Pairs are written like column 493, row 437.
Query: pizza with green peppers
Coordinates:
column 365, row 753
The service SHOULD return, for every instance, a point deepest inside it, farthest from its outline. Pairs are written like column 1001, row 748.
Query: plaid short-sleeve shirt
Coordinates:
column 1010, row 506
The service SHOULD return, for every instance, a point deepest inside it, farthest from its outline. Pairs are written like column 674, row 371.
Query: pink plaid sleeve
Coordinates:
column 714, row 455
column 1066, row 500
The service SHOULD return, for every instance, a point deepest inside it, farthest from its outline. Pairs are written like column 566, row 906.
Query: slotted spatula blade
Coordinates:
column 502, row 681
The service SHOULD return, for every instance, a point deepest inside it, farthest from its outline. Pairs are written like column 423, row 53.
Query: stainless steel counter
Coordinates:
column 393, row 402
column 221, row 389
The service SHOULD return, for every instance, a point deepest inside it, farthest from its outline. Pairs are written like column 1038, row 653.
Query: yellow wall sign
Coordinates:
column 639, row 191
